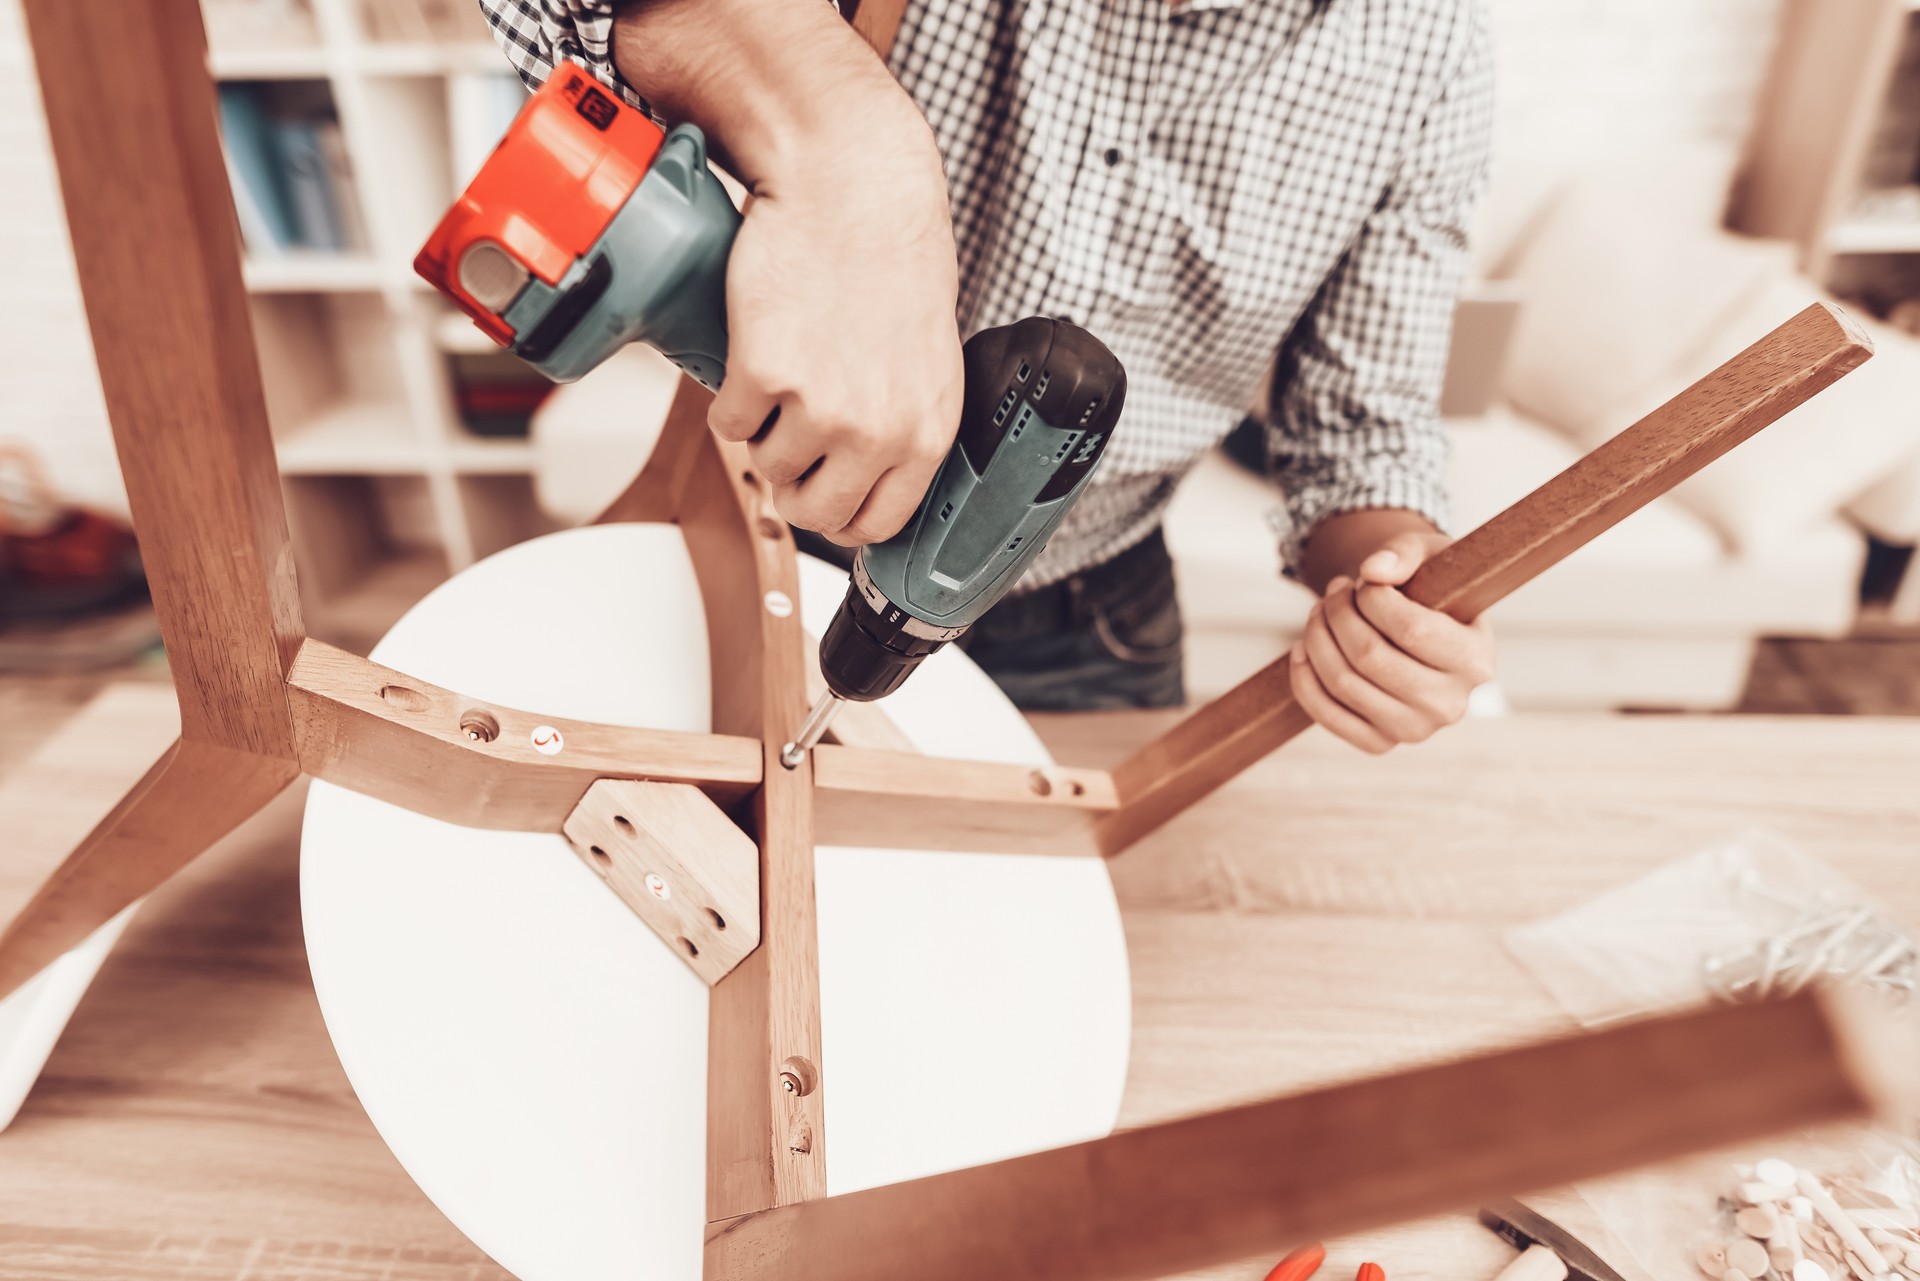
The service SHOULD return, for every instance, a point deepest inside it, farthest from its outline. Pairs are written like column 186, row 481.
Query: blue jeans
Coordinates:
column 1105, row 639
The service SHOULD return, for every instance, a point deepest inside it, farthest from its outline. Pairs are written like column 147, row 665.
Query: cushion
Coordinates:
column 1804, row 468
column 1625, row 281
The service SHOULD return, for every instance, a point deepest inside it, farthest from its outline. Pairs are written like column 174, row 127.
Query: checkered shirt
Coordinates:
column 1205, row 185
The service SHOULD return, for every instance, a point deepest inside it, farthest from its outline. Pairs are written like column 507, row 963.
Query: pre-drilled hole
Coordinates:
column 750, row 478
column 691, row 949
column 479, row 726
column 719, row 921
column 601, row 860
column 405, row 697
column 620, row 821
column 1040, row 783
column 798, row 1077
column 1075, row 786
column 769, row 527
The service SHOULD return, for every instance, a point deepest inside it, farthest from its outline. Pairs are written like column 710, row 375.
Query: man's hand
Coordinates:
column 845, row 370
column 1377, row 669
column 843, row 363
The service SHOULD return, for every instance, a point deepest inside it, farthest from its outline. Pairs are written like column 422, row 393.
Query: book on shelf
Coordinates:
column 292, row 179
column 481, row 106
column 253, row 169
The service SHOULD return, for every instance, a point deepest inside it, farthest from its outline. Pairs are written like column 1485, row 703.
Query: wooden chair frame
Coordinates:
column 132, row 120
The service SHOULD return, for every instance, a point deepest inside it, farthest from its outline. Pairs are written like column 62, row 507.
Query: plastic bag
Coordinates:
column 1752, row 918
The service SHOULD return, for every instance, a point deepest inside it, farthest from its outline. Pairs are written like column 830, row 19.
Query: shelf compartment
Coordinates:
column 479, row 456
column 335, row 394
column 292, row 62
column 501, row 511
column 311, row 271
column 353, row 438
column 364, row 550
column 402, row 146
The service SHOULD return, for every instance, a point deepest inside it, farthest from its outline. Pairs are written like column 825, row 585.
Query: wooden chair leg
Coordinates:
column 194, row 795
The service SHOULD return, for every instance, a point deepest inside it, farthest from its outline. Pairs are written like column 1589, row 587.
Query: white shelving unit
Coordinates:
column 387, row 490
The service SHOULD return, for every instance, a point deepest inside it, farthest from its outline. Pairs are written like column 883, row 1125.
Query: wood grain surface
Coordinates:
column 679, row 863
column 1148, row 1202
column 1325, row 916
column 467, row 761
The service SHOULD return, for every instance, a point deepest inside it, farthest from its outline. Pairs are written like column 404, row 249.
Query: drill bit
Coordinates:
column 810, row 730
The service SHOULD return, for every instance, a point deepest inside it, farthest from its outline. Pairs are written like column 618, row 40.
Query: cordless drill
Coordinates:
column 589, row 228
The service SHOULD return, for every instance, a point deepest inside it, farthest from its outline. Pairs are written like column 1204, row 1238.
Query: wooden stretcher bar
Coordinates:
column 1268, row 1176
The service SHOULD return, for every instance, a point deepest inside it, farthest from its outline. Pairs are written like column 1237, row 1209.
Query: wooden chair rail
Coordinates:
column 1756, row 387
column 1261, row 1178
column 458, row 759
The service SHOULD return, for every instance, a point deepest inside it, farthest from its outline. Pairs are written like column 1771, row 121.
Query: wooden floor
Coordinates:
column 194, row 1124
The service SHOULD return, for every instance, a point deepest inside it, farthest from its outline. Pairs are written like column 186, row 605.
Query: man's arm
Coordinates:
column 843, row 365
column 1355, row 426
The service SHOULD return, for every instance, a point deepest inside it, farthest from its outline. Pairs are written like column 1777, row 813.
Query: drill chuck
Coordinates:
column 873, row 645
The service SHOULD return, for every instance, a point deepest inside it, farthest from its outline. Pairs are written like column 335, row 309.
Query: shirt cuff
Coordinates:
column 537, row 35
column 1309, row 503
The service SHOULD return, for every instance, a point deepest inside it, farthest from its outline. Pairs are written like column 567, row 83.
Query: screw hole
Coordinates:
column 691, row 949
column 479, row 726
column 620, row 821
column 601, row 860
column 770, row 528
column 1075, row 786
column 719, row 921
column 1040, row 783
column 750, row 478
column 798, row 1077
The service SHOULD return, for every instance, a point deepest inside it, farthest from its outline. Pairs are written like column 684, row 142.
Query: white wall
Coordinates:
column 1573, row 74
column 49, row 395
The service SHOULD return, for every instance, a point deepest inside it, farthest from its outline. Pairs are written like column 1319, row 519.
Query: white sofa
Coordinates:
column 1630, row 293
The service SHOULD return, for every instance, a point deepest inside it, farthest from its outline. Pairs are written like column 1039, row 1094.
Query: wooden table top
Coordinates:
column 1328, row 915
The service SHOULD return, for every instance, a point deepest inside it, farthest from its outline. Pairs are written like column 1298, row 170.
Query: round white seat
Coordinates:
column 536, row 1057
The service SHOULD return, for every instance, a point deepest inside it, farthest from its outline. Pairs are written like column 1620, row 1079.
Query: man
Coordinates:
column 1200, row 184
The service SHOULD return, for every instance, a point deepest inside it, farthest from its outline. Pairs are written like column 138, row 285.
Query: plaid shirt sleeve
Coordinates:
column 536, row 34
column 1353, row 416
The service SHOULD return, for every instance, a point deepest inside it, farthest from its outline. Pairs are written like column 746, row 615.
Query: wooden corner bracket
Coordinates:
column 729, row 835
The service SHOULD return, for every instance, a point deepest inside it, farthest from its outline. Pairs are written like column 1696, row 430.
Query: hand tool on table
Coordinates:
column 589, row 228
column 1548, row 1252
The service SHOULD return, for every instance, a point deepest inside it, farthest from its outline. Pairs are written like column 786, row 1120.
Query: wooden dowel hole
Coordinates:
column 719, row 921
column 691, row 949
column 1040, row 783
column 405, row 697
column 479, row 726
column 1076, row 787
column 620, row 821
column 601, row 860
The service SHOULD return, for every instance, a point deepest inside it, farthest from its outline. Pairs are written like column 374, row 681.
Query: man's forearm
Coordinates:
column 1339, row 543
column 768, row 81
